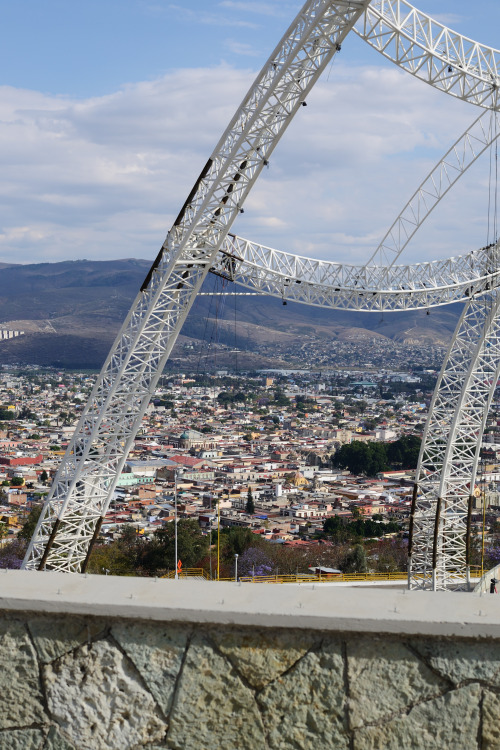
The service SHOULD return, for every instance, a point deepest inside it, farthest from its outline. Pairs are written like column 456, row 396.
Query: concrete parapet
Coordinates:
column 97, row 663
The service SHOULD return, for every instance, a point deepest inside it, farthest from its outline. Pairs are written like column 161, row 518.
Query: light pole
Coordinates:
column 177, row 472
column 236, row 568
column 218, row 538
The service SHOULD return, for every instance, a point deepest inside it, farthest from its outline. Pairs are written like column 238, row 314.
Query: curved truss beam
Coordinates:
column 378, row 285
column 370, row 288
column 88, row 473
column 430, row 51
column 449, row 455
column 483, row 132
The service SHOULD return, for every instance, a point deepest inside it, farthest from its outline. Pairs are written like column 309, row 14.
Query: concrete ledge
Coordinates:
column 96, row 663
column 306, row 606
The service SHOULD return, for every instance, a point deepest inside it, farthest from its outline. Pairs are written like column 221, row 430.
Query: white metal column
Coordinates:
column 88, row 473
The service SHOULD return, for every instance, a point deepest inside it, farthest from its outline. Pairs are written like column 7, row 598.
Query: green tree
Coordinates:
column 250, row 505
column 403, row 453
column 362, row 458
column 30, row 524
column 44, row 476
column 377, row 459
column 280, row 399
column 112, row 559
column 355, row 560
column 337, row 529
column 192, row 546
column 359, row 528
column 121, row 557
column 26, row 413
column 235, row 541
column 16, row 482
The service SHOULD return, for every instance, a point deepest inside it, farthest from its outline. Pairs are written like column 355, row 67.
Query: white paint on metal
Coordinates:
column 200, row 241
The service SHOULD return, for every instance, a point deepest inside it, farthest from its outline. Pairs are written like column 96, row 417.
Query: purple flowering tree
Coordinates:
column 492, row 556
column 12, row 555
column 255, row 562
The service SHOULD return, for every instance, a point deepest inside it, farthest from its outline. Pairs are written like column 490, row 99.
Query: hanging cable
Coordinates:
column 492, row 226
column 235, row 340
column 495, row 212
column 489, row 199
column 219, row 313
column 204, row 338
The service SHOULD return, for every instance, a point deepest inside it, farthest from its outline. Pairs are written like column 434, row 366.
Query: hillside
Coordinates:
column 71, row 311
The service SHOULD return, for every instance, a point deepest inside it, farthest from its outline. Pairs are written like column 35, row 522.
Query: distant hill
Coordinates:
column 71, row 312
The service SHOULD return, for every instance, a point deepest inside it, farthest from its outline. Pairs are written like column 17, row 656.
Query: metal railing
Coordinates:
column 326, row 578
column 189, row 573
column 305, row 578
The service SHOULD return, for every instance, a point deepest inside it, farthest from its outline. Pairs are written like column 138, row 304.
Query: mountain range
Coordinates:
column 71, row 311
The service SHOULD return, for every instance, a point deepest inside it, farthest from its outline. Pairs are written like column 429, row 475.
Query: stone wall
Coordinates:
column 76, row 682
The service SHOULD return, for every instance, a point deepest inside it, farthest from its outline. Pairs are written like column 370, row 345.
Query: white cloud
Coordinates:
column 275, row 9
column 208, row 19
column 448, row 19
column 240, row 48
column 105, row 177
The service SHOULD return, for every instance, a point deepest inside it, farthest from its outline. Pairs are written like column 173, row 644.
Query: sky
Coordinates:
column 110, row 108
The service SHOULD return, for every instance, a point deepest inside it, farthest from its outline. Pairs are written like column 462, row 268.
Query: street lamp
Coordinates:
column 177, row 473
column 236, row 568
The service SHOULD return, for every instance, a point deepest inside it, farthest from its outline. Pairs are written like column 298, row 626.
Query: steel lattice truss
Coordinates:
column 430, row 51
column 200, row 241
column 343, row 286
column 450, row 449
column 87, row 476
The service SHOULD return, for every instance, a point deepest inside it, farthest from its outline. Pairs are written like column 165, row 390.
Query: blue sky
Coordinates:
column 92, row 47
column 109, row 109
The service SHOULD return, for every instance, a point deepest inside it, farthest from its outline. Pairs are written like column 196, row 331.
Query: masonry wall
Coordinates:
column 73, row 680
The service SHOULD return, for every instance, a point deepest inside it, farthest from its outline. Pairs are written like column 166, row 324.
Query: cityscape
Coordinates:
column 315, row 468
column 249, row 496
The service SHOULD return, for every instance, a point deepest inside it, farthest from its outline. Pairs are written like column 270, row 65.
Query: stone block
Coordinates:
column 55, row 741
column 156, row 651
column 462, row 660
column 21, row 701
column 97, row 697
column 21, row 739
column 445, row 723
column 491, row 721
column 385, row 677
column 55, row 637
column 305, row 708
column 262, row 656
column 212, row 708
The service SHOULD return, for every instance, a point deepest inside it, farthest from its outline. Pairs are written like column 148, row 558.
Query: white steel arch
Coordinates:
column 446, row 474
column 432, row 52
column 342, row 286
column 200, row 241
column 86, row 478
column 466, row 150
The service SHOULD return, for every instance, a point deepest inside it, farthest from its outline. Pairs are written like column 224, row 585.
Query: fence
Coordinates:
column 305, row 578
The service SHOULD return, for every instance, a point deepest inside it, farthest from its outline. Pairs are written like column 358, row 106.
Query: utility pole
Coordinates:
column 176, row 474
column 218, row 538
